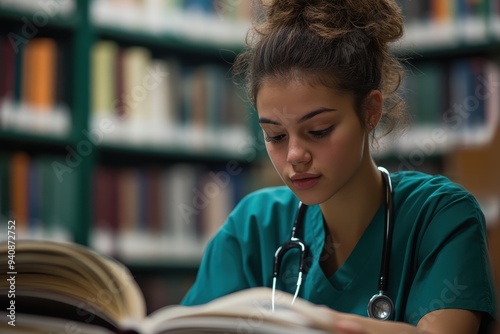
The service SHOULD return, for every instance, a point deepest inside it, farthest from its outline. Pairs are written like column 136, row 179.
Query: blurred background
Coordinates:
column 121, row 127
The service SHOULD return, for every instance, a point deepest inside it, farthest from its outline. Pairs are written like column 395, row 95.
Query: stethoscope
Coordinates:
column 380, row 306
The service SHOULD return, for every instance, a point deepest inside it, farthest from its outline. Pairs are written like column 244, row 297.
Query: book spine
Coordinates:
column 7, row 70
column 104, row 78
column 19, row 173
column 136, row 62
column 35, row 185
column 105, row 214
column 154, row 200
column 39, row 74
column 5, row 198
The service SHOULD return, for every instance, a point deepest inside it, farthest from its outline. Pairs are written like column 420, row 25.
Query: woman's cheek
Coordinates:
column 278, row 159
column 348, row 147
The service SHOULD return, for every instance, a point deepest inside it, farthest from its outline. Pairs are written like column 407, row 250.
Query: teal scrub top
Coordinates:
column 439, row 256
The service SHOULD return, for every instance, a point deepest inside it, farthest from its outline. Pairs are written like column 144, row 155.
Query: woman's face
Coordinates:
column 313, row 136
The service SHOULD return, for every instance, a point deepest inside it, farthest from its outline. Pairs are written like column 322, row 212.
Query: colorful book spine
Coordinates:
column 19, row 191
column 104, row 56
column 39, row 75
column 34, row 90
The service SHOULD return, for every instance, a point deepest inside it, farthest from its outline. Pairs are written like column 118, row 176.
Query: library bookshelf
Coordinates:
column 124, row 131
column 451, row 51
column 111, row 128
column 452, row 54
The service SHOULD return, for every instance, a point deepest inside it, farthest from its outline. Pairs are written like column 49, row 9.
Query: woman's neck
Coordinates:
column 351, row 210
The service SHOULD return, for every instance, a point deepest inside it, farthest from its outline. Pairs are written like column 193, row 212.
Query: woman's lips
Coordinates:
column 305, row 182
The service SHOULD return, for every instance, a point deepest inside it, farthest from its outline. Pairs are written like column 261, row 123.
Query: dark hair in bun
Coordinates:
column 343, row 44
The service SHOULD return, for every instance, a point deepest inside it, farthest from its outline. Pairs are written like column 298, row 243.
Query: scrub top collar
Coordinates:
column 365, row 257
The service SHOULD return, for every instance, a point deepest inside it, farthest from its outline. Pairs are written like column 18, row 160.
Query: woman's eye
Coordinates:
column 274, row 139
column 321, row 133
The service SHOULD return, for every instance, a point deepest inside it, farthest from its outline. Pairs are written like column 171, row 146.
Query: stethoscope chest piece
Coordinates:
column 381, row 307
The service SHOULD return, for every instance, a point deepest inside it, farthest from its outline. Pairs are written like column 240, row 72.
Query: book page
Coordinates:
column 78, row 276
column 243, row 308
column 31, row 324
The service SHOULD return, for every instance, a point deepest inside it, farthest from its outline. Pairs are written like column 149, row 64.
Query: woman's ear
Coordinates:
column 373, row 109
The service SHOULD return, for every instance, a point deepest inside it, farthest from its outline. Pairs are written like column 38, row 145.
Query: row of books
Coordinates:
column 216, row 21
column 146, row 213
column 163, row 102
column 34, row 85
column 38, row 196
column 438, row 23
column 143, row 100
column 429, row 23
column 451, row 104
column 161, row 213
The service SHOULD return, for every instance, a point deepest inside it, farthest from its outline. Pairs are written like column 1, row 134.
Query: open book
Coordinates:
column 67, row 288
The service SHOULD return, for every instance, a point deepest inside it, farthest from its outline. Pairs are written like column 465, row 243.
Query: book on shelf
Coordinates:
column 39, row 74
column 55, row 286
column 8, row 69
column 19, row 188
column 34, row 94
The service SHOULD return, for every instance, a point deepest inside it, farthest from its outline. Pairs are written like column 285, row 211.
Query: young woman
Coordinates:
column 322, row 78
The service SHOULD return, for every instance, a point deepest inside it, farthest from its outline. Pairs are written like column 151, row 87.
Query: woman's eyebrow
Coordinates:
column 304, row 118
column 314, row 113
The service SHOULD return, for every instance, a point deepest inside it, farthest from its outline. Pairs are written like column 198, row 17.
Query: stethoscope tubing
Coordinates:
column 296, row 242
column 388, row 229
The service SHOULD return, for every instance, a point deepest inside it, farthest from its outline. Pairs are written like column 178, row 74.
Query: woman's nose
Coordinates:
column 297, row 152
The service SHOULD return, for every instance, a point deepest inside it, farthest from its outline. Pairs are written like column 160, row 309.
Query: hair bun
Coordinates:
column 380, row 19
